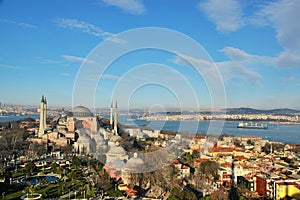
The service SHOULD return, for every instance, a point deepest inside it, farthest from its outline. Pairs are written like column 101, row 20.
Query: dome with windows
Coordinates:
column 81, row 111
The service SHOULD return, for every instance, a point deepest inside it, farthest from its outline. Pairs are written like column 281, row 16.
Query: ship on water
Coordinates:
column 252, row 125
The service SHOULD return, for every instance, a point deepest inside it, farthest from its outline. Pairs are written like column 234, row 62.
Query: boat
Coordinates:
column 252, row 125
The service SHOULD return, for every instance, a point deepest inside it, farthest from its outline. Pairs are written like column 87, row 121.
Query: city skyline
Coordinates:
column 255, row 46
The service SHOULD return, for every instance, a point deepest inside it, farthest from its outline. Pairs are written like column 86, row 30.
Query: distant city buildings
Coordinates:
column 200, row 163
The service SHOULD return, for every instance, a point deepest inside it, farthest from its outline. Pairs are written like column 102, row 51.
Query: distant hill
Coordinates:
column 281, row 111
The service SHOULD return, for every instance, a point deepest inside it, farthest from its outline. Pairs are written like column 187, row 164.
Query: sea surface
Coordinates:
column 287, row 133
column 14, row 118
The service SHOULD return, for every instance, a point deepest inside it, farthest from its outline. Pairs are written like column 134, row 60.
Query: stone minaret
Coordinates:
column 43, row 116
column 111, row 116
column 116, row 119
column 271, row 148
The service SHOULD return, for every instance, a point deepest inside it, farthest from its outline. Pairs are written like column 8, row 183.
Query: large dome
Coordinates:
column 81, row 111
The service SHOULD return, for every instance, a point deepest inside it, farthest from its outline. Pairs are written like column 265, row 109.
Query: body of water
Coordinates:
column 289, row 133
column 14, row 118
column 34, row 180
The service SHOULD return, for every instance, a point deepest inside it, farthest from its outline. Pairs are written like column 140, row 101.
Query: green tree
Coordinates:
column 76, row 162
column 209, row 168
column 71, row 175
column 54, row 167
column 30, row 168
column 250, row 142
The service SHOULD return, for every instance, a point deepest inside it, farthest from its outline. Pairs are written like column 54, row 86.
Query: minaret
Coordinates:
column 111, row 116
column 271, row 149
column 116, row 120
column 43, row 116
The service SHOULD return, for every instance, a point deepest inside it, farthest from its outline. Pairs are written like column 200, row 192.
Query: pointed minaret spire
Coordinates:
column 43, row 116
column 111, row 116
column 116, row 119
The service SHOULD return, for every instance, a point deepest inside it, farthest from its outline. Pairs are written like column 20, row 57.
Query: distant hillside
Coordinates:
column 281, row 111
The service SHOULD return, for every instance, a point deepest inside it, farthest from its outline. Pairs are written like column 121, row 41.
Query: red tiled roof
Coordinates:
column 239, row 157
column 131, row 192
column 176, row 162
column 185, row 167
column 197, row 137
column 251, row 137
column 221, row 149
column 226, row 165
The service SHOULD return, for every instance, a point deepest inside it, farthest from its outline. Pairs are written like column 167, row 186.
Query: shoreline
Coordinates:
column 220, row 120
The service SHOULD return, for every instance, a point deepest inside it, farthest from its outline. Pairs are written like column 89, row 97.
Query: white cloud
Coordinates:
column 235, row 53
column 22, row 24
column 282, row 15
column 74, row 24
column 129, row 6
column 226, row 14
column 233, row 69
column 77, row 59
column 10, row 66
column 228, row 69
column 287, row 59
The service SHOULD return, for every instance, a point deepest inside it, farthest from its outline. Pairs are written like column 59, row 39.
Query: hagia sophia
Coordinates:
column 81, row 129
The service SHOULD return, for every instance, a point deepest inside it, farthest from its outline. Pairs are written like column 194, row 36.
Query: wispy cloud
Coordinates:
column 286, row 59
column 228, row 69
column 91, row 29
column 74, row 24
column 281, row 15
column 230, row 15
column 77, row 59
column 22, row 24
column 129, row 6
column 235, row 53
column 117, row 40
column 226, row 14
column 48, row 61
column 234, row 69
column 10, row 66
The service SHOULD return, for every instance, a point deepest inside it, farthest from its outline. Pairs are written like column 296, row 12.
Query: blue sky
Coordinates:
column 254, row 45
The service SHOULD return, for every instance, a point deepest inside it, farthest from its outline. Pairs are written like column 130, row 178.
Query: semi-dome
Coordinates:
column 81, row 111
column 85, row 139
column 98, row 137
column 116, row 150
